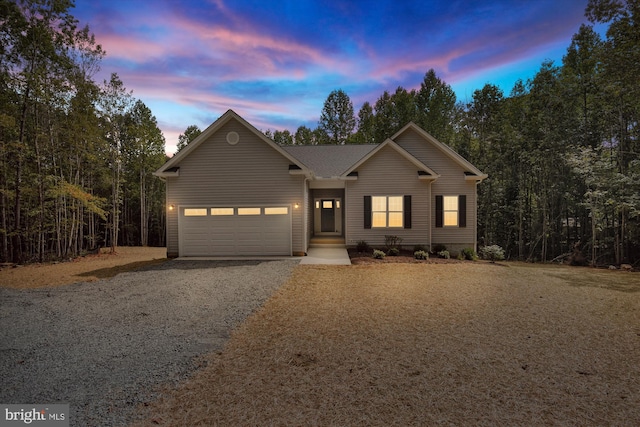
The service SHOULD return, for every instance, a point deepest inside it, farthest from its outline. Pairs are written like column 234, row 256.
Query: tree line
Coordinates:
column 562, row 149
column 76, row 155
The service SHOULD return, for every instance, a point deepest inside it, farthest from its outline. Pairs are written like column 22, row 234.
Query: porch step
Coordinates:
column 327, row 242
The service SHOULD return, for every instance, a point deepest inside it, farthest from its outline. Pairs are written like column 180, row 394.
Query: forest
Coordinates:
column 76, row 155
column 562, row 149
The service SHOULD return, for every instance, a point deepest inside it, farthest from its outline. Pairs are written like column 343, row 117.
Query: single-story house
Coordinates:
column 233, row 191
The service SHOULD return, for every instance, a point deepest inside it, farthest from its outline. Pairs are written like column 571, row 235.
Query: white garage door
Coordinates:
column 231, row 231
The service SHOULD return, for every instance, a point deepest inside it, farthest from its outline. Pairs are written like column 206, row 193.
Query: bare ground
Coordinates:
column 456, row 343
column 427, row 344
column 82, row 269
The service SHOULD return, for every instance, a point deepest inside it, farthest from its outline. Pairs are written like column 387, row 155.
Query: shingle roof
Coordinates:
column 328, row 161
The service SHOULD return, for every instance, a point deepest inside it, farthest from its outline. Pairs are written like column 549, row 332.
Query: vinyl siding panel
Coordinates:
column 387, row 173
column 249, row 173
column 451, row 183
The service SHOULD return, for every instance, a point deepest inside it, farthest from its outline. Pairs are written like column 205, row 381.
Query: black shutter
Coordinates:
column 439, row 211
column 367, row 211
column 462, row 211
column 406, row 210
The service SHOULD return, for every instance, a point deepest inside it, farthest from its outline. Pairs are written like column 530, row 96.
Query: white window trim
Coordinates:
column 387, row 212
column 455, row 211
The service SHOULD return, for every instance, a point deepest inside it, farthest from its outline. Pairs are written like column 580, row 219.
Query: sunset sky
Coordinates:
column 275, row 62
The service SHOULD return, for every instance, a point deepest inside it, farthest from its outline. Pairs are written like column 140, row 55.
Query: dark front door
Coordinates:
column 328, row 215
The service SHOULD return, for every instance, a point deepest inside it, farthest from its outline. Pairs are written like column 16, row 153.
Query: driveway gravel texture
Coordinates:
column 106, row 347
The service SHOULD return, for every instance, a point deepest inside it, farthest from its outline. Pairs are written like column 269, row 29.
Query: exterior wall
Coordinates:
column 387, row 173
column 248, row 173
column 451, row 183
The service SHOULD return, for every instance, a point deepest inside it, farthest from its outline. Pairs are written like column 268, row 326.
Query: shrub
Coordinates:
column 418, row 248
column 439, row 248
column 468, row 254
column 444, row 254
column 392, row 242
column 378, row 254
column 362, row 246
column 393, row 252
column 420, row 255
column 492, row 253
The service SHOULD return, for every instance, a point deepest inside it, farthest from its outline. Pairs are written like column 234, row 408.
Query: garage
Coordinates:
column 235, row 230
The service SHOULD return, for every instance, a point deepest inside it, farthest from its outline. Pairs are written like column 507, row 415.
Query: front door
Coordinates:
column 328, row 215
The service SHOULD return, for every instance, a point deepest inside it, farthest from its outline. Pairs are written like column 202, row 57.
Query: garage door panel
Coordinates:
column 228, row 235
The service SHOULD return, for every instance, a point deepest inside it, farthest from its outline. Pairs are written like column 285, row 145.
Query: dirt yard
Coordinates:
column 456, row 343
column 82, row 269
column 468, row 343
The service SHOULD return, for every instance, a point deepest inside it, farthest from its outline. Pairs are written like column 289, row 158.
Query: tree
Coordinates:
column 337, row 118
column 619, row 95
column 436, row 107
column 366, row 125
column 143, row 153
column 191, row 133
column 385, row 126
column 115, row 102
column 581, row 74
column 303, row 136
column 283, row 137
column 484, row 120
column 62, row 137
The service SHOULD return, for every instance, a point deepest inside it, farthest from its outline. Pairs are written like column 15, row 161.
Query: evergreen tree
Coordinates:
column 337, row 119
column 366, row 125
column 190, row 133
column 436, row 107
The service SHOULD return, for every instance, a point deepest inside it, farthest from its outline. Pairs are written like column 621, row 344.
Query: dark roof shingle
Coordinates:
column 328, row 161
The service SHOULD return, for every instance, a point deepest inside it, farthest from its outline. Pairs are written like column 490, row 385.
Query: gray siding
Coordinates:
column 248, row 173
column 387, row 173
column 451, row 183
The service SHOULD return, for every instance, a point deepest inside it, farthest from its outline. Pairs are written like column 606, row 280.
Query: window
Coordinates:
column 386, row 211
column 195, row 212
column 248, row 211
column 276, row 211
column 221, row 211
column 450, row 211
column 327, row 204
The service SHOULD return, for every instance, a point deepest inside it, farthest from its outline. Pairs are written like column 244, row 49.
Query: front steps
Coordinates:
column 327, row 242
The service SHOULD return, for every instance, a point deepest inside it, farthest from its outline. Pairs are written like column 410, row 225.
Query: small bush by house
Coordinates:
column 492, row 253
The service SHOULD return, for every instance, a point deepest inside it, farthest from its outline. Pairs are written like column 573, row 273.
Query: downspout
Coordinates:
column 430, row 214
column 305, row 216
column 475, row 224
column 345, row 229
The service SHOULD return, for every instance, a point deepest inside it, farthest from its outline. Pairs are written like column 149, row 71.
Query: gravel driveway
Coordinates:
column 105, row 347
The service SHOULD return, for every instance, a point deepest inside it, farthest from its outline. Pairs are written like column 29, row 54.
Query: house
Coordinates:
column 233, row 191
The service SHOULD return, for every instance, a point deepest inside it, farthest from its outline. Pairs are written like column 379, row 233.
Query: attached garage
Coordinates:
column 235, row 230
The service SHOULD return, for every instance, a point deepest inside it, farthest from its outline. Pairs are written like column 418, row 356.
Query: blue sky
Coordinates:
column 275, row 62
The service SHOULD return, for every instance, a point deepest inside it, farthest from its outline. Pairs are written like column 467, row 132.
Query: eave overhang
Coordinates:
column 169, row 173
column 473, row 177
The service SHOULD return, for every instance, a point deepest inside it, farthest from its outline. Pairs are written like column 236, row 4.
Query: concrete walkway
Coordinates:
column 318, row 256
column 333, row 256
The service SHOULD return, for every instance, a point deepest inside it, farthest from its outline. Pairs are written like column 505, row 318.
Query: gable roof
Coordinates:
column 171, row 167
column 404, row 153
column 327, row 161
column 471, row 172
